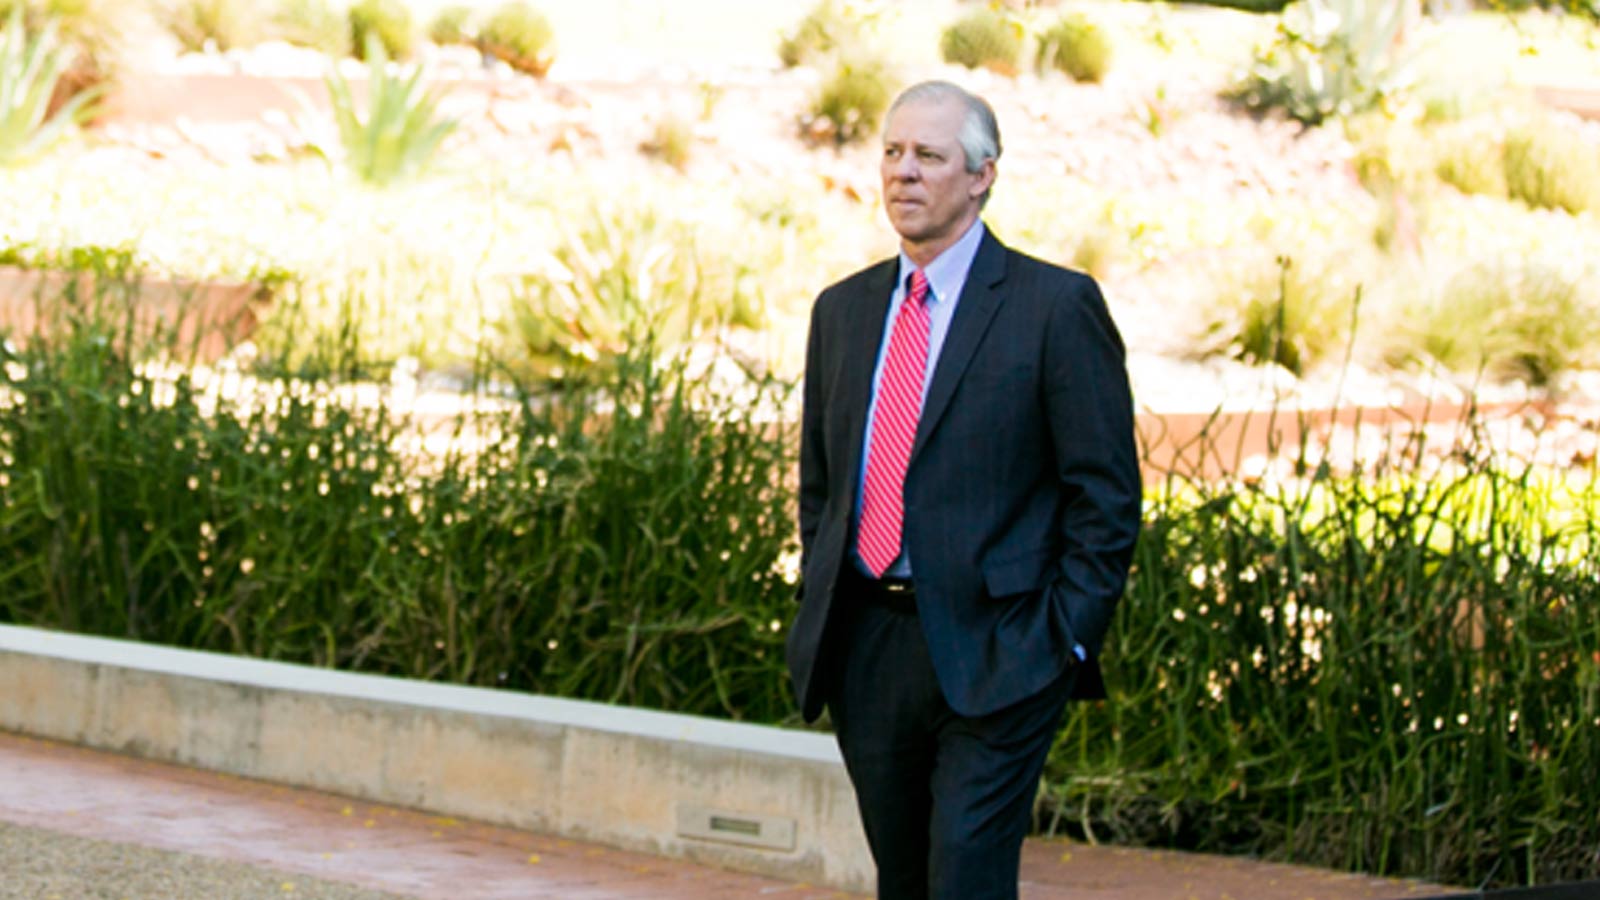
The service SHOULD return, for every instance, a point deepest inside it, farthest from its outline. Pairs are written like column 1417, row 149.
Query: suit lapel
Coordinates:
column 979, row 301
column 864, row 327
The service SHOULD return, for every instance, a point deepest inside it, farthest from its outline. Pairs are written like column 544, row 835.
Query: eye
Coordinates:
column 929, row 155
column 891, row 152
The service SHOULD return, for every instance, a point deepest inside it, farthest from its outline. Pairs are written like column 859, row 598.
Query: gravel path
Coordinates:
column 45, row 865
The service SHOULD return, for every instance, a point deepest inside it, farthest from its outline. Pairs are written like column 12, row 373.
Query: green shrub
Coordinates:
column 31, row 68
column 520, row 36
column 1551, row 167
column 1388, row 672
column 314, row 24
column 619, row 538
column 1289, row 313
column 851, row 103
column 827, row 29
column 451, row 26
column 1519, row 322
column 621, row 273
column 389, row 21
column 671, row 141
column 1473, row 164
column 1075, row 46
column 983, row 39
column 211, row 24
column 402, row 128
column 1332, row 58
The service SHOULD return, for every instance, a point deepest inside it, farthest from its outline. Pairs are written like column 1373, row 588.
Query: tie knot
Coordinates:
column 918, row 293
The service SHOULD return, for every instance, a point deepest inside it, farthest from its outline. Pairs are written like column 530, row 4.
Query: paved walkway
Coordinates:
column 85, row 824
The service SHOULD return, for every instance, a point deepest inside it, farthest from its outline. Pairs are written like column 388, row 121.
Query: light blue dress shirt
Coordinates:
column 946, row 275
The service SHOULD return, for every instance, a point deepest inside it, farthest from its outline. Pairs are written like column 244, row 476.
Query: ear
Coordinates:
column 985, row 177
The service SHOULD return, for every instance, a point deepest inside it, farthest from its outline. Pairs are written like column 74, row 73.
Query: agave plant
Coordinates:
column 30, row 68
column 1332, row 58
column 402, row 128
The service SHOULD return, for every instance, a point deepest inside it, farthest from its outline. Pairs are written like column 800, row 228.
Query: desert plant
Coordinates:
column 671, row 141
column 850, row 103
column 1525, row 322
column 623, row 272
column 210, row 24
column 1076, row 46
column 1553, row 168
column 1332, row 58
column 983, row 38
column 30, row 70
column 521, row 37
column 450, row 25
column 311, row 23
column 402, row 128
column 1473, row 163
column 387, row 20
column 1285, row 313
column 91, row 28
column 827, row 29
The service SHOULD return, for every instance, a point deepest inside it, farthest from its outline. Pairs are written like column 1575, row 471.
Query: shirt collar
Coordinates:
column 948, row 271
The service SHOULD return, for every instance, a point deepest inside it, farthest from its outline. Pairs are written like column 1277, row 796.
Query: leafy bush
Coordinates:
column 826, row 30
column 851, row 102
column 983, row 38
column 520, row 36
column 1553, row 168
column 1076, row 46
column 31, row 68
column 211, row 24
column 450, row 26
column 387, row 20
column 402, row 129
column 1332, row 58
column 312, row 23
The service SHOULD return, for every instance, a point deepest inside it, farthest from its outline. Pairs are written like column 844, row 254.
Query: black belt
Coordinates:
column 897, row 594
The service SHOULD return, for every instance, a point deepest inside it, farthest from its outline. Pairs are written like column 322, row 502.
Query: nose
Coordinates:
column 905, row 167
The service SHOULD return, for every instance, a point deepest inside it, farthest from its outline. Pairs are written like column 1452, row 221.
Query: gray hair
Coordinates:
column 980, row 130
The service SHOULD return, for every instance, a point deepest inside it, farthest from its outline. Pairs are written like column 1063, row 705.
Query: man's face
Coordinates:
column 930, row 196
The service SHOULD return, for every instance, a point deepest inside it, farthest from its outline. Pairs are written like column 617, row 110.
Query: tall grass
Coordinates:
column 618, row 538
column 1394, row 669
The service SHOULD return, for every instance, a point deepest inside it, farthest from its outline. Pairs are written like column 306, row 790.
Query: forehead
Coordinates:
column 931, row 122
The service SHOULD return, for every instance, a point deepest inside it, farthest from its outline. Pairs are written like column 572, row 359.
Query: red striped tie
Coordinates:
column 894, row 427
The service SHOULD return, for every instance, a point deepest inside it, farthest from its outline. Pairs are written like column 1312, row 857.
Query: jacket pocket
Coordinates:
column 1018, row 573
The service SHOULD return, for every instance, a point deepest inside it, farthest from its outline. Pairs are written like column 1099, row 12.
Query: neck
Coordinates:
column 923, row 253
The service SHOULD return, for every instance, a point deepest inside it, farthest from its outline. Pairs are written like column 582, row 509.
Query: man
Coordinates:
column 969, row 500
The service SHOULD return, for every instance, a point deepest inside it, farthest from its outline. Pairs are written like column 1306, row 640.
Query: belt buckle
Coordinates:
column 897, row 587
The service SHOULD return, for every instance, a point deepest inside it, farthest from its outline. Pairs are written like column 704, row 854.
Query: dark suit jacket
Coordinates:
column 1022, row 494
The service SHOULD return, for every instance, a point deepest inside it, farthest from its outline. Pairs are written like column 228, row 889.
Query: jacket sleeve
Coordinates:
column 1090, row 411
column 813, row 450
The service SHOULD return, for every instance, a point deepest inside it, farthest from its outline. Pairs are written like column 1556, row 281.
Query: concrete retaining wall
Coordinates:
column 748, row 797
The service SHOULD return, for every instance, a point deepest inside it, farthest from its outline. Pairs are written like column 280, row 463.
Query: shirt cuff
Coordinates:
column 1080, row 653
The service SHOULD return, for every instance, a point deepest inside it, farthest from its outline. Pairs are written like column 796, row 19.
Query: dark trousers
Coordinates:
column 946, row 799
